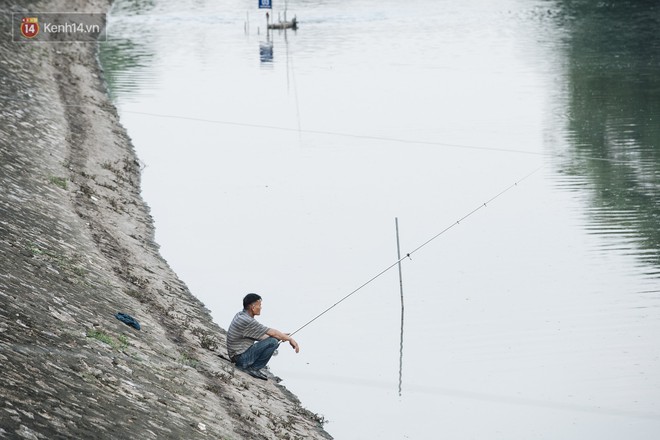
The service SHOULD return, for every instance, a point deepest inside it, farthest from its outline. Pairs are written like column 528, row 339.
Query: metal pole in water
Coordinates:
column 398, row 255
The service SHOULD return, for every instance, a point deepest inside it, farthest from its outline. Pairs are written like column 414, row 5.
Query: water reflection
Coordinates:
column 128, row 7
column 131, row 56
column 613, row 106
column 121, row 56
column 266, row 47
column 266, row 51
column 398, row 256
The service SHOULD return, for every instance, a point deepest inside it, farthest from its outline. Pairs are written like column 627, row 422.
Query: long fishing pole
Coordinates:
column 396, row 263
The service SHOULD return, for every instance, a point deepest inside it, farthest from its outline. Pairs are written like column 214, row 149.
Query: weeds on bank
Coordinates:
column 206, row 339
column 62, row 261
column 188, row 360
column 318, row 418
column 120, row 343
column 137, row 294
column 58, row 181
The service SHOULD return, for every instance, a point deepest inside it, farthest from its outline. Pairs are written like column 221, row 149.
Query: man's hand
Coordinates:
column 283, row 337
column 294, row 344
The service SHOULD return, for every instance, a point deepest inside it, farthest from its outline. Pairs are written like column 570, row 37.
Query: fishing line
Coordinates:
column 334, row 133
column 409, row 254
column 299, row 130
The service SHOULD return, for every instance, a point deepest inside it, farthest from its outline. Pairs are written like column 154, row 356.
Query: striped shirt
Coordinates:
column 243, row 331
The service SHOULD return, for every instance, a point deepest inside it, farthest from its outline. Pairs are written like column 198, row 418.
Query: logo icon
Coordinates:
column 30, row 27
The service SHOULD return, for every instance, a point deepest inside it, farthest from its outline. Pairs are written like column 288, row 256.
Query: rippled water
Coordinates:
column 277, row 163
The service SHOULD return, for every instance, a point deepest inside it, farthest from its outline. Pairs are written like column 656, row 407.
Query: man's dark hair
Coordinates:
column 249, row 299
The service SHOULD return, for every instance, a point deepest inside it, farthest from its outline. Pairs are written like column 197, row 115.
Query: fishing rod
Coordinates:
column 408, row 255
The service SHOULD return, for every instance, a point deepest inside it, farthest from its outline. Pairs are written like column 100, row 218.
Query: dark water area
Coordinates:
column 276, row 162
column 613, row 54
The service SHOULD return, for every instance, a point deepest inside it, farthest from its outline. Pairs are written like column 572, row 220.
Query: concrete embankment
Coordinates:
column 76, row 247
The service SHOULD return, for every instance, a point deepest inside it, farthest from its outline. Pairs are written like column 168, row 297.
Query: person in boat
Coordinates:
column 250, row 344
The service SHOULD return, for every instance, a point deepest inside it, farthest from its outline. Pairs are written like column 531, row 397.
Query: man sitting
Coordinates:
column 250, row 345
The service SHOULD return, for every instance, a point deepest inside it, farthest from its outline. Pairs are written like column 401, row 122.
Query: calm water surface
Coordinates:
column 276, row 163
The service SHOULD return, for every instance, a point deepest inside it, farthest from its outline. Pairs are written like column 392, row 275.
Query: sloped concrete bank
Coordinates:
column 76, row 247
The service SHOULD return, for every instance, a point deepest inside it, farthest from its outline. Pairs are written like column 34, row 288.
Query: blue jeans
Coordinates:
column 257, row 356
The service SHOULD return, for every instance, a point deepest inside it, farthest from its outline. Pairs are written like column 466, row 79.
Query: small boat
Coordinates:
column 293, row 24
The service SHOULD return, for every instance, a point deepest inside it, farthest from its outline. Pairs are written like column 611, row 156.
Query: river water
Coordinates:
column 277, row 163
